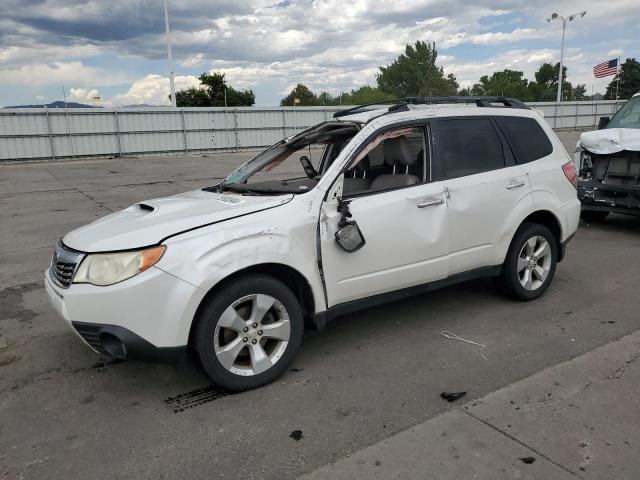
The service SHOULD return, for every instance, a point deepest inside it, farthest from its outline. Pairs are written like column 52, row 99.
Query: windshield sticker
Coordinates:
column 229, row 200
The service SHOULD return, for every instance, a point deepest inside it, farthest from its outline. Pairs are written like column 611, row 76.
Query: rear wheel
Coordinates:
column 530, row 263
column 592, row 216
column 249, row 332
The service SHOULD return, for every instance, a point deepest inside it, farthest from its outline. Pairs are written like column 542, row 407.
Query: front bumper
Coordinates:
column 147, row 317
column 609, row 198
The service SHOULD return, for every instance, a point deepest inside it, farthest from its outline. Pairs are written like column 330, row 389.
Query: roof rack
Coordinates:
column 400, row 104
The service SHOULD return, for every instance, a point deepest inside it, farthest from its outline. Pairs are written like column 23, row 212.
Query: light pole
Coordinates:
column 570, row 18
column 172, row 85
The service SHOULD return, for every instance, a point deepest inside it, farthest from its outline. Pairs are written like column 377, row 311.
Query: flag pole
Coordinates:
column 617, row 82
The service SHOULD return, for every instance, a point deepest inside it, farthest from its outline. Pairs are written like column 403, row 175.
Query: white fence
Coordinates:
column 59, row 133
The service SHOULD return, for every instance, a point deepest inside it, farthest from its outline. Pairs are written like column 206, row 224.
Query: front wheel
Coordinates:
column 530, row 263
column 249, row 332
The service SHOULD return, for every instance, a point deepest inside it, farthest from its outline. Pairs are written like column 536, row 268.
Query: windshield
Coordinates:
column 628, row 116
column 293, row 165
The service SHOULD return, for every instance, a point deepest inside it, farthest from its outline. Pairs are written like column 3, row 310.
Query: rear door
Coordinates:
column 486, row 190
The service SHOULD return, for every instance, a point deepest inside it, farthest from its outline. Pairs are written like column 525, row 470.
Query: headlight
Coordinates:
column 108, row 268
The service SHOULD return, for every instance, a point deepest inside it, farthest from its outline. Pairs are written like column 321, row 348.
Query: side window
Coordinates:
column 393, row 159
column 526, row 137
column 467, row 146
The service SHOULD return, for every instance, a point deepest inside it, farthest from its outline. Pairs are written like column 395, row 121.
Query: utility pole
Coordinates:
column 555, row 16
column 172, row 85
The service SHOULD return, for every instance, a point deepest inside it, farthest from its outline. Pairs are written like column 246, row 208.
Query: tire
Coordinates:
column 240, row 351
column 529, row 238
column 593, row 216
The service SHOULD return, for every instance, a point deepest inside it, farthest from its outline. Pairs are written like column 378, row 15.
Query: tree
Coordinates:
column 507, row 83
column 579, row 92
column 415, row 73
column 629, row 80
column 325, row 98
column 211, row 93
column 301, row 93
column 365, row 94
column 545, row 88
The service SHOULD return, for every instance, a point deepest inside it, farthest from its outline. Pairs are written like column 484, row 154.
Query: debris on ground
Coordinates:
column 296, row 435
column 527, row 460
column 453, row 396
column 453, row 336
column 297, row 369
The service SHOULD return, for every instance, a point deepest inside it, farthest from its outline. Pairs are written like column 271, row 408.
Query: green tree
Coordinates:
column 192, row 97
column 579, row 92
column 325, row 98
column 629, row 80
column 302, row 94
column 545, row 88
column 365, row 94
column 415, row 73
column 211, row 93
column 507, row 83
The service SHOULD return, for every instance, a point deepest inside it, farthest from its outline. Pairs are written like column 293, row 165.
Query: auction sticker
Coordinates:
column 229, row 200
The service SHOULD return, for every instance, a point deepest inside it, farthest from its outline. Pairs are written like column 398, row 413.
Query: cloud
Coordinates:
column 83, row 94
column 153, row 90
column 269, row 44
column 59, row 73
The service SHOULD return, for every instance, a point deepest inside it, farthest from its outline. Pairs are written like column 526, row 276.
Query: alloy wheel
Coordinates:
column 534, row 263
column 252, row 334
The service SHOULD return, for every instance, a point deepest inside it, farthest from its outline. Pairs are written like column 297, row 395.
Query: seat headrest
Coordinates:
column 396, row 150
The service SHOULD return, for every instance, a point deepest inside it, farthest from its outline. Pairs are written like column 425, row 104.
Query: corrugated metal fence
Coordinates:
column 59, row 133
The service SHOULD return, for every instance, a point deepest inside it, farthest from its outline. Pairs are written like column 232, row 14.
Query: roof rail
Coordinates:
column 397, row 104
column 358, row 108
column 480, row 101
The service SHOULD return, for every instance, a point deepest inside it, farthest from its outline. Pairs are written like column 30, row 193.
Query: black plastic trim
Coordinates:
column 562, row 248
column 375, row 300
column 100, row 337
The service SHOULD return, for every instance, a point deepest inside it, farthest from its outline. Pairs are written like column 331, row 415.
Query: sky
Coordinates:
column 116, row 49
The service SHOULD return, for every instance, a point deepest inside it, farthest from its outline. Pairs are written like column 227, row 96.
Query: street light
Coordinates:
column 570, row 18
column 172, row 85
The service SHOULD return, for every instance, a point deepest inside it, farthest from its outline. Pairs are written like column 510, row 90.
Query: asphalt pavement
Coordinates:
column 366, row 382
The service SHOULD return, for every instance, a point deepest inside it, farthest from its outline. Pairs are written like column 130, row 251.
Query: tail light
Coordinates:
column 571, row 173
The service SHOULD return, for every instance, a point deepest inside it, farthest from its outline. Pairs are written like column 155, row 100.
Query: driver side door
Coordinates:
column 404, row 227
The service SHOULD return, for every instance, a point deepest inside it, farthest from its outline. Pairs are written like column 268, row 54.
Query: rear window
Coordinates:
column 526, row 137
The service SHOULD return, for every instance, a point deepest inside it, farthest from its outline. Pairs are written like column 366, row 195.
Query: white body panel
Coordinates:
column 405, row 245
column 210, row 237
column 478, row 229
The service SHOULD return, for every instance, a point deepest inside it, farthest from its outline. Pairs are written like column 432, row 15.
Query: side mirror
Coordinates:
column 349, row 236
column 308, row 167
column 602, row 123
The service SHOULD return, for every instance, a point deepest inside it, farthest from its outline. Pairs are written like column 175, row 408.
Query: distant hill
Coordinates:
column 56, row 104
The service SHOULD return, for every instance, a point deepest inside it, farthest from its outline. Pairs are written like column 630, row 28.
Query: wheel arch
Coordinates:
column 549, row 220
column 288, row 275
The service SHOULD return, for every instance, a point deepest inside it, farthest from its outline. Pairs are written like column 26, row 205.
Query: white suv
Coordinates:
column 384, row 203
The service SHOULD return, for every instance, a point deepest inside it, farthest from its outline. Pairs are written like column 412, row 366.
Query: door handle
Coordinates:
column 515, row 184
column 431, row 202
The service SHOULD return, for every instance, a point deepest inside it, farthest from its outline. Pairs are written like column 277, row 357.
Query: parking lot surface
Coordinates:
column 66, row 412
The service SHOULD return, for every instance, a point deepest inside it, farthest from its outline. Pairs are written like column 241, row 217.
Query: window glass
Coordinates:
column 526, row 137
column 392, row 159
column 628, row 116
column 468, row 146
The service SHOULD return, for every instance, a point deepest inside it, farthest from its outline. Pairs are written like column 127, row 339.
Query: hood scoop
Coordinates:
column 145, row 207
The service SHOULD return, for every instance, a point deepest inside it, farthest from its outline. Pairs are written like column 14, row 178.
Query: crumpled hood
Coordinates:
column 149, row 222
column 611, row 140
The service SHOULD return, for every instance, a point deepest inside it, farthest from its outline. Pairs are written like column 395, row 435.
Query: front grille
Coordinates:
column 64, row 264
column 63, row 273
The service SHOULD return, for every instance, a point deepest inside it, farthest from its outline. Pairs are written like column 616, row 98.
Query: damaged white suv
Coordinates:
column 384, row 203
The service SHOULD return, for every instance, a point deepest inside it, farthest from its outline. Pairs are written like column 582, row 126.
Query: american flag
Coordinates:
column 605, row 69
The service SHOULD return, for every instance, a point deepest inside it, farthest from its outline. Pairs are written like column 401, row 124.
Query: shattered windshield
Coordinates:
column 628, row 116
column 293, row 165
